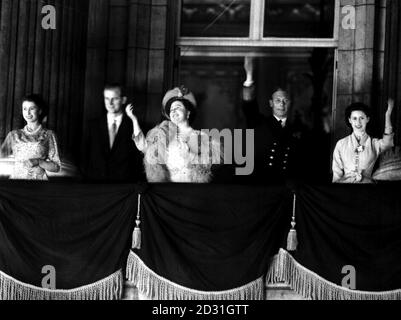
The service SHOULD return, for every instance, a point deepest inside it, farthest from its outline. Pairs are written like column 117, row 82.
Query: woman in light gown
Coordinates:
column 355, row 155
column 174, row 151
column 33, row 147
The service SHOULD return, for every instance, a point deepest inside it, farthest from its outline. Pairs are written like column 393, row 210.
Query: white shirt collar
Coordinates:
column 111, row 118
column 283, row 121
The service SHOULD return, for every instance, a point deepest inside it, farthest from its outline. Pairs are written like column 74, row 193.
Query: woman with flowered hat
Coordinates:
column 174, row 151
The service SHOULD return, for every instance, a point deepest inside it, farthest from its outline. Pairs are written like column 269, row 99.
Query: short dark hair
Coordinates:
column 356, row 106
column 277, row 88
column 114, row 86
column 187, row 104
column 38, row 100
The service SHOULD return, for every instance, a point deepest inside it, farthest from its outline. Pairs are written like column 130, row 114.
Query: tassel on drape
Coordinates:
column 156, row 287
column 136, row 235
column 285, row 268
column 109, row 288
column 292, row 239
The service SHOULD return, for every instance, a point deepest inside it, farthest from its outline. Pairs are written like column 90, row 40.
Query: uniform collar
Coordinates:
column 283, row 121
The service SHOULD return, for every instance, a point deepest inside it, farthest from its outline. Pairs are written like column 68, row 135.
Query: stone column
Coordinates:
column 355, row 61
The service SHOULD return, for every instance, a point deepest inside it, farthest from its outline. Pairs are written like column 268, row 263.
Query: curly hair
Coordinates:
column 356, row 106
column 39, row 102
column 187, row 104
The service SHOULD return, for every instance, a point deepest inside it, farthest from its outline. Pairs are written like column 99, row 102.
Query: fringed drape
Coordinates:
column 285, row 268
column 109, row 288
column 156, row 287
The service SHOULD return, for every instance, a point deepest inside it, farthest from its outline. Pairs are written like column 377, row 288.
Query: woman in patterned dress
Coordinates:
column 174, row 151
column 355, row 155
column 33, row 147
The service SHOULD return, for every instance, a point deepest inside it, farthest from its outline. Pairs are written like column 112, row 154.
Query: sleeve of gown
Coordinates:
column 6, row 147
column 386, row 142
column 140, row 141
column 338, row 166
column 53, row 154
column 155, row 156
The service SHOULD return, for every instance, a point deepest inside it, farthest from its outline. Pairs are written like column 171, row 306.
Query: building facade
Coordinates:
column 327, row 53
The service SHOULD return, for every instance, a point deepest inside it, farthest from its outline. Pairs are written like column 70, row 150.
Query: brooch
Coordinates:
column 359, row 149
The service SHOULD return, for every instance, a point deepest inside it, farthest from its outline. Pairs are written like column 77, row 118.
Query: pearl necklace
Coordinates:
column 28, row 131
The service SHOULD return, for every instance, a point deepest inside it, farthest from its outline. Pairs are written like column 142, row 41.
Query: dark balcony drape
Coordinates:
column 82, row 231
column 198, row 241
column 209, row 239
column 343, row 226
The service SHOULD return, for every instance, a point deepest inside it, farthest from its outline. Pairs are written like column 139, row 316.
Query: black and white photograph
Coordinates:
column 218, row 151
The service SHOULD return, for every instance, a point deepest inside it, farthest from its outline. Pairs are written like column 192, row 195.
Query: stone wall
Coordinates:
column 360, row 59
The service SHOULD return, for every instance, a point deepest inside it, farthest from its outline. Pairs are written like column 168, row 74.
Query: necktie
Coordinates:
column 113, row 133
column 281, row 123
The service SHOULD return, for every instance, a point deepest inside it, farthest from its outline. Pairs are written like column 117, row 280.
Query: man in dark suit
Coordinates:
column 110, row 153
column 277, row 142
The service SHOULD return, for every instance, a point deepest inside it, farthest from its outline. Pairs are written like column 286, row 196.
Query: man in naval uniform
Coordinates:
column 277, row 143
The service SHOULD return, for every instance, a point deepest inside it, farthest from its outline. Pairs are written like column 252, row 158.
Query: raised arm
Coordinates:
column 137, row 135
column 387, row 125
column 388, row 136
column 248, row 66
column 249, row 104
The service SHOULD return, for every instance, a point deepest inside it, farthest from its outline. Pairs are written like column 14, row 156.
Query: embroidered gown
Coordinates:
column 170, row 157
column 25, row 145
column 351, row 157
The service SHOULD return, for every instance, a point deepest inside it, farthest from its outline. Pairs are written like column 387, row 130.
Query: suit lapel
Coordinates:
column 121, row 130
column 104, row 134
